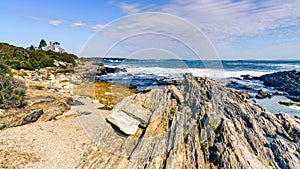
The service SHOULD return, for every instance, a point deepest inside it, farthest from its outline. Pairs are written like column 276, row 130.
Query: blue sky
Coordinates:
column 250, row 29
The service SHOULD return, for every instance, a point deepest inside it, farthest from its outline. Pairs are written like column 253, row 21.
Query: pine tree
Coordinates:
column 42, row 44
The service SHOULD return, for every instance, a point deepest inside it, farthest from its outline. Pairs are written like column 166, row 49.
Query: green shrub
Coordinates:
column 20, row 58
column 12, row 92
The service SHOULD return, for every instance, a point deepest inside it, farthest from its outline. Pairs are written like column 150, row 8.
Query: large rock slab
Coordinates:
column 131, row 108
column 124, row 122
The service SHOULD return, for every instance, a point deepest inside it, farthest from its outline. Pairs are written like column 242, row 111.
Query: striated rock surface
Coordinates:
column 201, row 125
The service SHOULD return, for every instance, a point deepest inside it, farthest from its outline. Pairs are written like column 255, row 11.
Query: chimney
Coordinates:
column 50, row 43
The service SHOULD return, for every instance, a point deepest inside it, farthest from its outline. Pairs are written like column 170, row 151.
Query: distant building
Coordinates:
column 54, row 47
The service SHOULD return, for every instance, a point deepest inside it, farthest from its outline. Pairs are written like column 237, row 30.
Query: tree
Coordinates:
column 31, row 47
column 42, row 44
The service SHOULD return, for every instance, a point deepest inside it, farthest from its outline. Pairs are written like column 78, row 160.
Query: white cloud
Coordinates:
column 55, row 22
column 97, row 27
column 78, row 24
column 224, row 21
column 129, row 8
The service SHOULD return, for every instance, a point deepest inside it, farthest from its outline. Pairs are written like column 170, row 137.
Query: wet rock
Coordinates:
column 279, row 93
column 102, row 70
column 246, row 77
column 261, row 94
column 289, row 103
column 247, row 87
column 288, row 81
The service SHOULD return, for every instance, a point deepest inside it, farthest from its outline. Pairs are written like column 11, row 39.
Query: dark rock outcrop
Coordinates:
column 288, row 81
column 212, row 127
column 262, row 94
column 103, row 70
column 32, row 117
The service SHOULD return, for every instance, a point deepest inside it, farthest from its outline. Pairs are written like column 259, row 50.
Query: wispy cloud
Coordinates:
column 31, row 17
column 55, row 22
column 97, row 27
column 132, row 8
column 129, row 8
column 224, row 21
column 78, row 24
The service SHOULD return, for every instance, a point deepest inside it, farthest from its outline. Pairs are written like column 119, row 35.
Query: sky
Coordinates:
column 249, row 29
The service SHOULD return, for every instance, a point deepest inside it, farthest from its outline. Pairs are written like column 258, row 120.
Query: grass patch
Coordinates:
column 172, row 111
column 20, row 73
column 186, row 131
column 37, row 87
column 266, row 163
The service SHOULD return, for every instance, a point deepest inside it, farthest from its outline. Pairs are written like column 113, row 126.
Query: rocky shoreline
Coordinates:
column 283, row 85
column 196, row 122
column 202, row 124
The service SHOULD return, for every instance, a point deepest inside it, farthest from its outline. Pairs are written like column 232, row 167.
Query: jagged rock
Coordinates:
column 176, row 93
column 213, row 128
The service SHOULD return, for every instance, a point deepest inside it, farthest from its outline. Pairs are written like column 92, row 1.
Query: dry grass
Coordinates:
column 106, row 93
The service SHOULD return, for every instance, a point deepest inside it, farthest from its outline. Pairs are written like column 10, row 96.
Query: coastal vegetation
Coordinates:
column 20, row 58
column 12, row 91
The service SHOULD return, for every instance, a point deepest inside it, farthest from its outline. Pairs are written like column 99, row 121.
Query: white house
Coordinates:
column 54, row 47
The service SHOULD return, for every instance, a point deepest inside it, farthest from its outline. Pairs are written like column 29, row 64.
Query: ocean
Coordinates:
column 143, row 73
column 231, row 68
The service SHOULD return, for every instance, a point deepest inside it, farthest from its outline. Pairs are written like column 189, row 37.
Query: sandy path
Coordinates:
column 52, row 144
column 55, row 144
